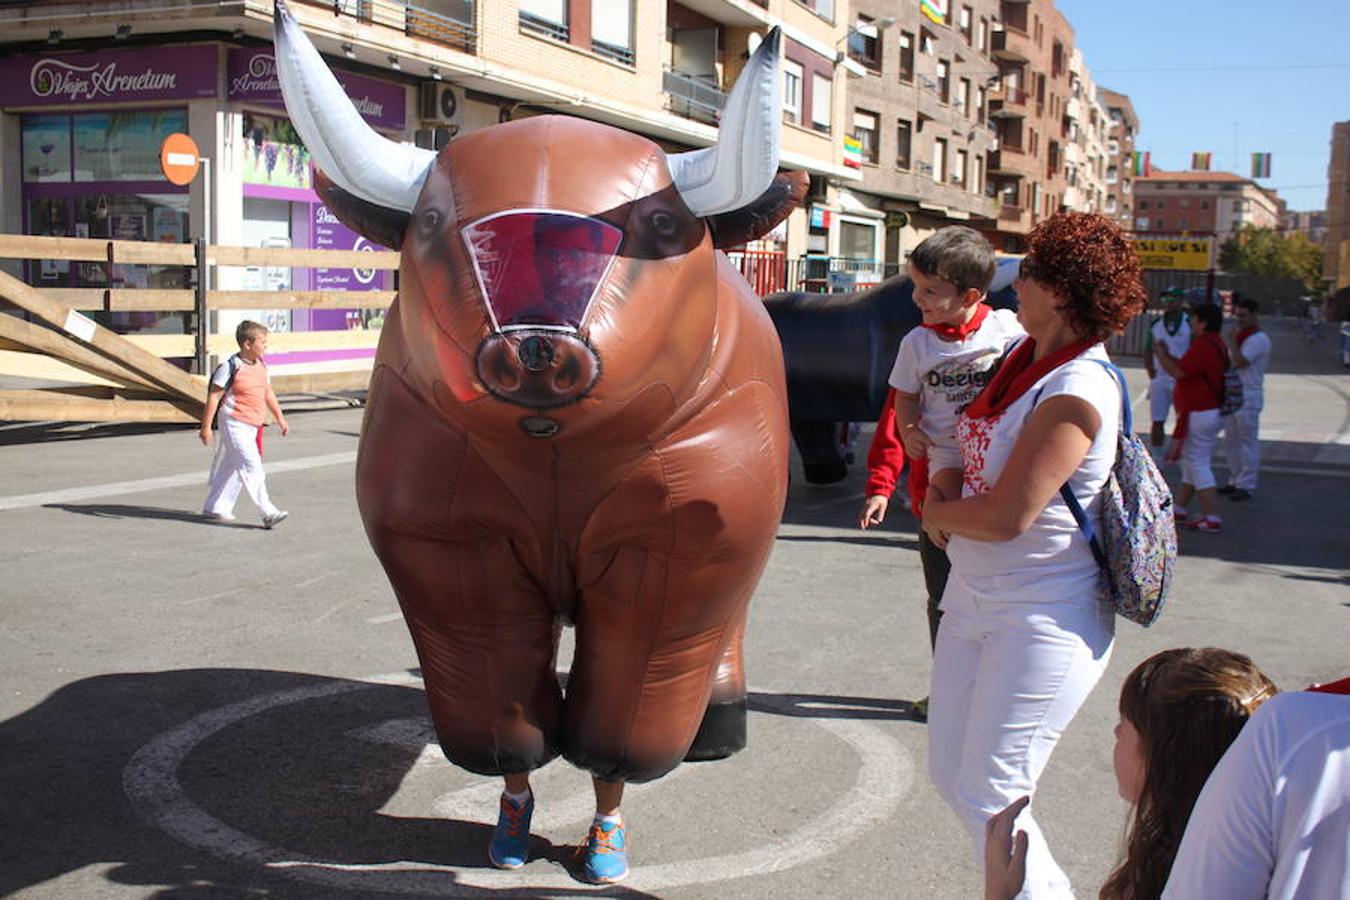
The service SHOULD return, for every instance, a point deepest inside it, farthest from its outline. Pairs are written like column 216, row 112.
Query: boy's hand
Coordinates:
column 873, row 511
column 205, row 435
column 915, row 441
column 1005, row 857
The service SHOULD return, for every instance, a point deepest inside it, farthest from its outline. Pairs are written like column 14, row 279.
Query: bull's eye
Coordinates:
column 663, row 223
column 429, row 221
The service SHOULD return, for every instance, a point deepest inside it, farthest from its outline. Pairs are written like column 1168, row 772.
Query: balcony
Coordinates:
column 693, row 97
column 1010, row 45
column 1008, row 103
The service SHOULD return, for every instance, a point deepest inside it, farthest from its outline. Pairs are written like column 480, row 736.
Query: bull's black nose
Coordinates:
column 535, row 353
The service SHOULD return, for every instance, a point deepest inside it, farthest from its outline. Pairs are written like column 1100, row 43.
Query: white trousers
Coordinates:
column 1197, row 450
column 1008, row 677
column 237, row 464
column 1242, row 444
column 1160, row 396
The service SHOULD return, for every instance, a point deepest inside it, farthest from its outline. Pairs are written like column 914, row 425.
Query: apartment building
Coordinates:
column 1336, row 259
column 1032, row 45
column 1123, row 126
column 1218, row 203
column 918, row 105
column 91, row 88
column 1085, row 153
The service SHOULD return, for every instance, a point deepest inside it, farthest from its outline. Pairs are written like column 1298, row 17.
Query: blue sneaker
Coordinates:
column 510, row 845
column 605, row 853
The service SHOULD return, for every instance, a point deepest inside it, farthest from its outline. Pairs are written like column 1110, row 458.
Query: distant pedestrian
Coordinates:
column 940, row 368
column 1199, row 394
column 241, row 392
column 1173, row 330
column 1249, row 351
column 1338, row 310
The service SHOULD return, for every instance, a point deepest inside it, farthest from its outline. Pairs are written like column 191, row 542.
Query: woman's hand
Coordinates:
column 935, row 494
column 1005, row 856
column 915, row 441
column 873, row 511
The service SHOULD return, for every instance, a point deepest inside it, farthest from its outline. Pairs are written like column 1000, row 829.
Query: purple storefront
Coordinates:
column 88, row 127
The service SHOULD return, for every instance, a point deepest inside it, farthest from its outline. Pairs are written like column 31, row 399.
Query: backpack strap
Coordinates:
column 1127, row 427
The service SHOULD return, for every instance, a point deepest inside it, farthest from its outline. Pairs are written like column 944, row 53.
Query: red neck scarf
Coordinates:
column 1336, row 687
column 1246, row 333
column 965, row 329
column 1017, row 374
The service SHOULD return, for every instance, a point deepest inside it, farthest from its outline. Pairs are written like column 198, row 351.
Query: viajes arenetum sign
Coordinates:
column 108, row 76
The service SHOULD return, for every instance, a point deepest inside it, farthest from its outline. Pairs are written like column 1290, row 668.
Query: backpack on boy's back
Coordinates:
column 1137, row 547
column 234, row 362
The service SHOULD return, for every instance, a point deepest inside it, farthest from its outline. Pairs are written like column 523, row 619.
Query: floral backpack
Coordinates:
column 1137, row 549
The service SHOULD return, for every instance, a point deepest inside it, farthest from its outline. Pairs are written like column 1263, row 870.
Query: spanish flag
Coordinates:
column 1200, row 162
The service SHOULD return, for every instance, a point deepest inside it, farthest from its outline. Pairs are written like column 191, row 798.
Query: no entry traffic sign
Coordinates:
column 179, row 158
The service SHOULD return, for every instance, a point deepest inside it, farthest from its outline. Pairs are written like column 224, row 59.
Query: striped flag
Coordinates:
column 853, row 155
column 1260, row 165
column 1143, row 162
column 1200, row 162
column 935, row 10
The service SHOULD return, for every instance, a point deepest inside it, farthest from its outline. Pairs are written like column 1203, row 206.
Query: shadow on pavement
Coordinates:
column 129, row 511
column 47, row 432
column 266, row 772
column 826, row 706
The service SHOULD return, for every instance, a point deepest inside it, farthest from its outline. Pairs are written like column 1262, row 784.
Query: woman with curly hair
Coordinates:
column 1179, row 712
column 1025, row 632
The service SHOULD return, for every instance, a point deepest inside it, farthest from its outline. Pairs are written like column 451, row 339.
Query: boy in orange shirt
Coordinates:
column 242, row 392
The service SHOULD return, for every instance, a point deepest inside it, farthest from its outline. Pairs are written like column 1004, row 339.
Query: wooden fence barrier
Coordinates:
column 126, row 377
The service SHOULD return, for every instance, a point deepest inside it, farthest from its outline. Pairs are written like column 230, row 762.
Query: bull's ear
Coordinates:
column 785, row 193
column 380, row 224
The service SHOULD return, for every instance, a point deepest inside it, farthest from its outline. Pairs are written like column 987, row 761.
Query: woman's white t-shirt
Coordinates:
column 947, row 375
column 1050, row 560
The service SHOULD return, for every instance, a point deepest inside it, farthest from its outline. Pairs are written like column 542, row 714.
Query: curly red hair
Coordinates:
column 1088, row 262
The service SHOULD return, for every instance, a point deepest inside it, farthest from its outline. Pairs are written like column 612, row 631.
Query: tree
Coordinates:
column 1264, row 253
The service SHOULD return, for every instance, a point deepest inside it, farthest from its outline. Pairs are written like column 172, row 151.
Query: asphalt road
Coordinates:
column 206, row 711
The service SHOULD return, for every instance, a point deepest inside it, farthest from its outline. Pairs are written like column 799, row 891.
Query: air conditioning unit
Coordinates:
column 434, row 138
column 441, row 103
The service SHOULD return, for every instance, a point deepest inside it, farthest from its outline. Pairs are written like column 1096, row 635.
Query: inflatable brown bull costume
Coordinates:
column 577, row 414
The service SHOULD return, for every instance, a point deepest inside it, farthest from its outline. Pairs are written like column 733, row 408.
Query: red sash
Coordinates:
column 1017, row 374
column 965, row 329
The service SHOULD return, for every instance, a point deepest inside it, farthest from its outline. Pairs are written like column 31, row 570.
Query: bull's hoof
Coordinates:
column 721, row 733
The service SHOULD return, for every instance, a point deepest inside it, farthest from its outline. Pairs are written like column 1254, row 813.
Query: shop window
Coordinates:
column 273, row 153
column 46, row 148
column 122, row 146
column 857, row 241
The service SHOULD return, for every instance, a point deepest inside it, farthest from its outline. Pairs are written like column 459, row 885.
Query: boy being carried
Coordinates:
column 939, row 370
column 242, row 392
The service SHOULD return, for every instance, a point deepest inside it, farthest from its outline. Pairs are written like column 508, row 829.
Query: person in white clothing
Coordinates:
column 241, row 392
column 1273, row 821
column 1172, row 329
column 1025, row 632
column 1249, row 352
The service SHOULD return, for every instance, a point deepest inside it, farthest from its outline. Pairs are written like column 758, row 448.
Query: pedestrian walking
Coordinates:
column 1199, row 394
column 1026, row 629
column 241, row 392
column 1249, row 351
column 1172, row 330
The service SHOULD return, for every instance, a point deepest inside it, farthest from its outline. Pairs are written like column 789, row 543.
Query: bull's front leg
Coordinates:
column 723, row 729
column 484, row 633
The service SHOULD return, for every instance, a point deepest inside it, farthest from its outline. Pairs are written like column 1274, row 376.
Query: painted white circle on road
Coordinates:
column 885, row 773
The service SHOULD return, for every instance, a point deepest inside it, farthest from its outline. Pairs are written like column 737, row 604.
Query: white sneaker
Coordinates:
column 275, row 519
column 217, row 517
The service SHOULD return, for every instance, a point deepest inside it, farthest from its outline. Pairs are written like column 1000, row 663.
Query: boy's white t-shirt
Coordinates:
column 1256, row 350
column 1177, row 344
column 1051, row 559
column 948, row 375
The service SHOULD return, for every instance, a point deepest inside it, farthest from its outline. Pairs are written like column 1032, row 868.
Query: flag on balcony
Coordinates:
column 1143, row 162
column 853, row 152
column 1260, row 165
column 1200, row 162
column 936, row 10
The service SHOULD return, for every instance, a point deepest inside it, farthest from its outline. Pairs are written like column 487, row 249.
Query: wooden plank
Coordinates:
column 141, row 362
column 24, row 246
column 151, row 253
column 300, row 299
column 45, row 406
column 293, row 257
column 66, row 351
column 75, row 298
column 151, row 300
column 321, row 382
column 41, row 367
column 182, row 345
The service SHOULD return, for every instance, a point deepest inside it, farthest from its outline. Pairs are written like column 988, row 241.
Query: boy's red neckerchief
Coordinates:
column 1018, row 373
column 1246, row 333
column 960, row 332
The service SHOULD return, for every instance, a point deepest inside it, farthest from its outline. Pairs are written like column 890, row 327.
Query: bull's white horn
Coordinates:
column 742, row 164
column 341, row 143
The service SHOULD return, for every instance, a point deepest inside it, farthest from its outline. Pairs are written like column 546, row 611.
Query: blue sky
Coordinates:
column 1201, row 72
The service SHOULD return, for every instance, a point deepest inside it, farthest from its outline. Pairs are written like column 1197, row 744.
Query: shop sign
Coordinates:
column 108, row 76
column 330, row 234
column 1191, row 254
column 251, row 75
